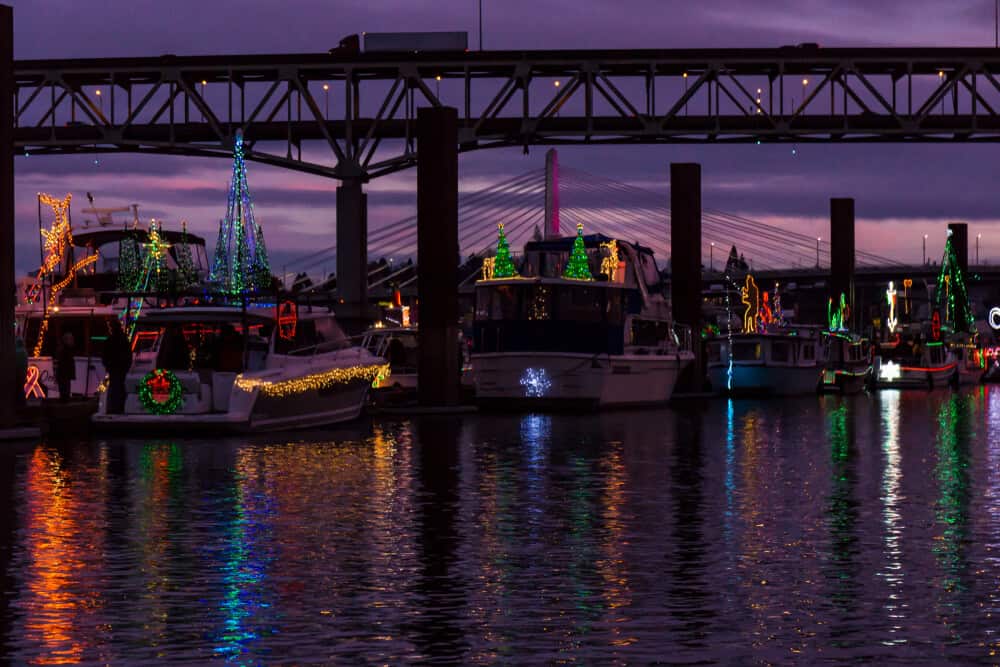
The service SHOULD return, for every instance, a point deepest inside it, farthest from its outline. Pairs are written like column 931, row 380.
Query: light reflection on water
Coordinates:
column 822, row 528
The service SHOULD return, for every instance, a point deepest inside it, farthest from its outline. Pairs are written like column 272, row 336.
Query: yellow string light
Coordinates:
column 489, row 264
column 609, row 265
column 314, row 382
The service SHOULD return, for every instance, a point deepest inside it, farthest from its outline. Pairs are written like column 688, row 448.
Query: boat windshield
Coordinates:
column 89, row 332
column 226, row 346
column 584, row 302
column 311, row 336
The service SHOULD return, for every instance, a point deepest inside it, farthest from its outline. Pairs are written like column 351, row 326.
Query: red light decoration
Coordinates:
column 936, row 325
column 288, row 319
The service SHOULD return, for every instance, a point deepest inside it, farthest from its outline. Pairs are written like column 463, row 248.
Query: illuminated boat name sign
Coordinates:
column 994, row 318
column 889, row 371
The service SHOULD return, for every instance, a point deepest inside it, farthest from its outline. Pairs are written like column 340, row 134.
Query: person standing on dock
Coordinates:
column 117, row 358
column 65, row 365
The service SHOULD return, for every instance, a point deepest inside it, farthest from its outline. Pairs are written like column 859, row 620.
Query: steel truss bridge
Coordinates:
column 361, row 109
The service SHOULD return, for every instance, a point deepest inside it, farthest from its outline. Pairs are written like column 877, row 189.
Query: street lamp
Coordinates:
column 203, row 84
column 759, row 91
column 685, row 77
column 941, row 78
column 100, row 99
column 437, row 92
column 326, row 95
column 711, row 264
column 978, row 236
column 925, row 249
column 556, row 84
column 818, row 238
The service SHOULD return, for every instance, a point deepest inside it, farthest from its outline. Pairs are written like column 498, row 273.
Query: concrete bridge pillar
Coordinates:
column 439, row 370
column 960, row 243
column 352, row 252
column 842, row 250
column 8, row 385
column 685, row 260
column 551, row 194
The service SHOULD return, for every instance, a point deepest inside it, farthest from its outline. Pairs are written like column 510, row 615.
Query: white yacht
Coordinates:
column 235, row 369
column 606, row 339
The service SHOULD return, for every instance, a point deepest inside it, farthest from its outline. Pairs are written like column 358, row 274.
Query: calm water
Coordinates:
column 802, row 530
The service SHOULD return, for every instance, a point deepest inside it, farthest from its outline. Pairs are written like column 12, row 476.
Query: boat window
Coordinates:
column 483, row 303
column 504, row 303
column 780, row 352
column 649, row 332
column 935, row 354
column 746, row 351
column 580, row 303
column 808, row 352
column 714, row 352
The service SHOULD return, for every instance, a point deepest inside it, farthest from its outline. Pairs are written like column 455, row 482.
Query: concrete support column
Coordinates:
column 352, row 252
column 685, row 259
column 439, row 371
column 959, row 232
column 8, row 384
column 551, row 194
column 842, row 250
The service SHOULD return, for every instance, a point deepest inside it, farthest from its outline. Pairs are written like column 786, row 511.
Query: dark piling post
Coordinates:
column 352, row 253
column 842, row 250
column 8, row 386
column 959, row 232
column 438, row 374
column 685, row 260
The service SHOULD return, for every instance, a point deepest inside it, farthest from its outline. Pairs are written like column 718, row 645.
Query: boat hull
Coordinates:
column 845, row 381
column 519, row 379
column 759, row 379
column 919, row 378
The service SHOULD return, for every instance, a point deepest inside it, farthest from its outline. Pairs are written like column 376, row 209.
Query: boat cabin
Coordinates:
column 621, row 310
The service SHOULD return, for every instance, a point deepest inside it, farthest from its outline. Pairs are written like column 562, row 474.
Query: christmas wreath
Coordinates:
column 160, row 392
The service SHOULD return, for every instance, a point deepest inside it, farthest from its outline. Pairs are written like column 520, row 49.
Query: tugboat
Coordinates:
column 228, row 368
column 584, row 323
column 768, row 356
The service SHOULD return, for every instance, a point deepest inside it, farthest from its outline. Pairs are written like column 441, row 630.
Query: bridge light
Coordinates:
column 98, row 92
column 556, row 83
column 204, row 82
column 805, row 82
column 940, row 73
column 685, row 75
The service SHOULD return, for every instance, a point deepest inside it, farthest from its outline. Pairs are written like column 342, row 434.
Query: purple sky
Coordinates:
column 902, row 192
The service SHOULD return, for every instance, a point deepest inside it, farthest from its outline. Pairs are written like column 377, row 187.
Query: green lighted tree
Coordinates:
column 578, row 267
column 951, row 298
column 187, row 274
column 503, row 265
column 129, row 263
column 156, row 260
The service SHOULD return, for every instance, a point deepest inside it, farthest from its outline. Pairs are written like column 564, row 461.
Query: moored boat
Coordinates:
column 234, row 369
column 557, row 337
column 777, row 362
column 847, row 366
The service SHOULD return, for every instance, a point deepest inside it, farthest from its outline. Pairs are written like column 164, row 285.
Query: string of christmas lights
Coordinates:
column 316, row 381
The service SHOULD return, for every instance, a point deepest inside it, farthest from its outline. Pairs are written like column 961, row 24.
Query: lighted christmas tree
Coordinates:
column 578, row 267
column 129, row 262
column 951, row 298
column 158, row 275
column 241, row 265
column 187, row 275
column 503, row 265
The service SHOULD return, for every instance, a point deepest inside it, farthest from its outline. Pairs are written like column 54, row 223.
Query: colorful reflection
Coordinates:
column 63, row 542
column 892, row 520
column 952, row 507
column 842, row 510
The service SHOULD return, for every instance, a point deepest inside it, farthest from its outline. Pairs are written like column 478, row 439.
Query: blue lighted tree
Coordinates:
column 241, row 265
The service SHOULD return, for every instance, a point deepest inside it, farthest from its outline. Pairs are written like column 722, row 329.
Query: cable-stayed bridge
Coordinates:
column 602, row 205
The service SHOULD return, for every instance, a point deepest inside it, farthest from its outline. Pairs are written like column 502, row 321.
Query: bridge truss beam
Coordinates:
column 195, row 105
